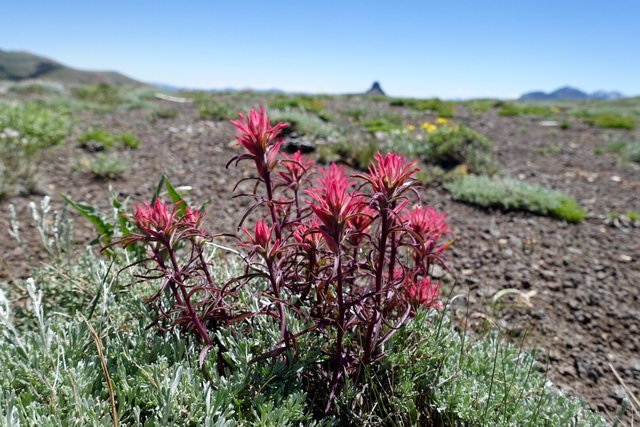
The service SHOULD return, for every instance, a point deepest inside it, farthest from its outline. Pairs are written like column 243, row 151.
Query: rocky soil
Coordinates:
column 579, row 299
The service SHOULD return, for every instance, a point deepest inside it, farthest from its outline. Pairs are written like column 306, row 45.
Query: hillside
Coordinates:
column 20, row 65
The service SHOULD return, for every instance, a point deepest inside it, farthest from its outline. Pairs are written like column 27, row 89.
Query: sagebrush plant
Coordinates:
column 52, row 370
column 346, row 256
column 305, row 124
column 629, row 151
column 513, row 194
column 107, row 166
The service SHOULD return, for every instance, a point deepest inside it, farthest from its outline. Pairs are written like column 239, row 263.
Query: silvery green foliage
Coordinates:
column 469, row 381
column 52, row 375
column 51, row 372
column 14, row 225
column 54, row 228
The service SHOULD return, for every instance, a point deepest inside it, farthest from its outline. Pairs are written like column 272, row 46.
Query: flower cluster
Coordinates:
column 341, row 253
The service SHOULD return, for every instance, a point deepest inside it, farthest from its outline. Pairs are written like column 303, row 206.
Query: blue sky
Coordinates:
column 450, row 49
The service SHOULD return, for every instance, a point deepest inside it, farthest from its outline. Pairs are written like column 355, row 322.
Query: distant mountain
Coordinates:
column 375, row 89
column 569, row 93
column 20, row 65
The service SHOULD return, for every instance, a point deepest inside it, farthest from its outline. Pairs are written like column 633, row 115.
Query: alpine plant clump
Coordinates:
column 349, row 256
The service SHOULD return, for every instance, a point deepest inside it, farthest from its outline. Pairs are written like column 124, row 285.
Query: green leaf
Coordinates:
column 156, row 193
column 175, row 197
column 88, row 212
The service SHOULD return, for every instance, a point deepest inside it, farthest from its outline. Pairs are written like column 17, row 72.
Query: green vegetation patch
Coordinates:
column 386, row 122
column 628, row 151
column 102, row 93
column 25, row 130
column 108, row 166
column 304, row 103
column 448, row 146
column 511, row 109
column 304, row 124
column 443, row 109
column 99, row 140
column 80, row 352
column 512, row 194
column 217, row 110
column 479, row 106
column 611, row 121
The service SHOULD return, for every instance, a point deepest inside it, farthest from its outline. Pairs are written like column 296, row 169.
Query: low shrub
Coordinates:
column 97, row 139
column 100, row 140
column 215, row 110
column 303, row 103
column 102, row 93
column 36, row 87
column 356, row 154
column 25, row 130
column 356, row 113
column 511, row 194
column 129, row 140
column 447, row 146
column 611, row 121
column 383, row 123
column 526, row 110
column 108, row 166
column 628, row 151
column 479, row 106
column 163, row 114
column 77, row 353
column 304, row 124
column 441, row 108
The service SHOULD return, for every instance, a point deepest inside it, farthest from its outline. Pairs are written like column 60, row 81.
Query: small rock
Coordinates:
column 624, row 258
column 305, row 146
column 574, row 251
column 547, row 274
column 618, row 393
column 437, row 272
column 516, row 241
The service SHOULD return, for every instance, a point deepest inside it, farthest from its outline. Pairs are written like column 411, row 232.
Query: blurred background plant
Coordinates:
column 25, row 130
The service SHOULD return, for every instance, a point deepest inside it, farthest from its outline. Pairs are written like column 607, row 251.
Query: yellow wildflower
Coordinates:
column 411, row 128
column 442, row 121
column 429, row 127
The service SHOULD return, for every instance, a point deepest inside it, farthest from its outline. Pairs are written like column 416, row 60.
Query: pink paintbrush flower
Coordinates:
column 333, row 205
column 427, row 223
column 390, row 174
column 261, row 241
column 259, row 139
column 155, row 219
column 295, row 168
column 423, row 293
